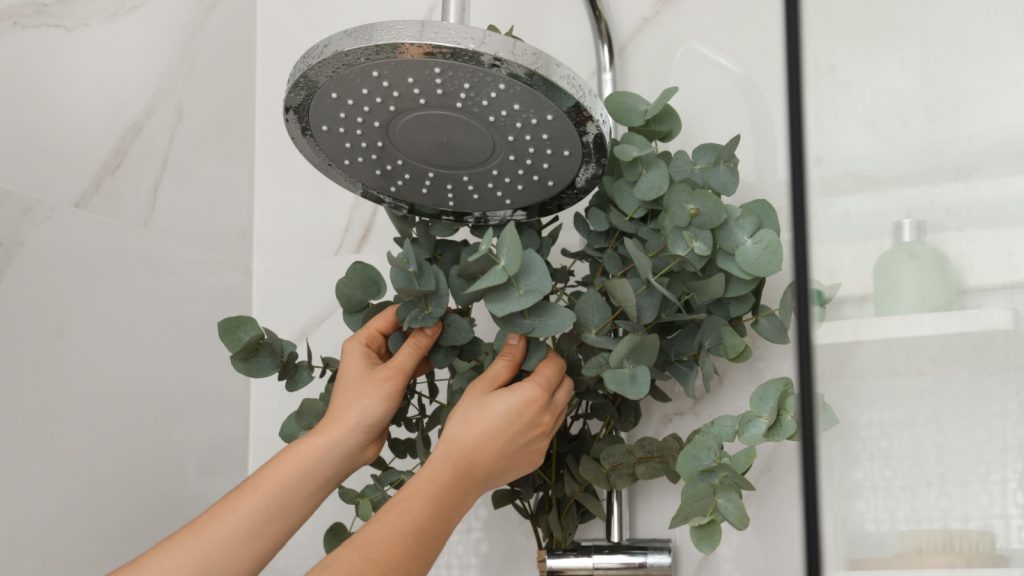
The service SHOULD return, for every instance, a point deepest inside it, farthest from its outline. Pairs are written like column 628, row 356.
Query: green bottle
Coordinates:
column 913, row 277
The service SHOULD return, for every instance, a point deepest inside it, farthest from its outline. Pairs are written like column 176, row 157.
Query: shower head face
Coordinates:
column 447, row 121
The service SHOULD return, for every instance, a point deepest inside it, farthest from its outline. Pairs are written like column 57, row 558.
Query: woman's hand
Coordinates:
column 371, row 383
column 499, row 431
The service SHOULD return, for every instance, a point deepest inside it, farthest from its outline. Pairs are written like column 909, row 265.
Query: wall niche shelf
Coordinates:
column 914, row 345
column 918, row 326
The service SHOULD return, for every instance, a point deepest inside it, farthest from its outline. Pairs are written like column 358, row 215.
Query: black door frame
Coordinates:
column 801, row 253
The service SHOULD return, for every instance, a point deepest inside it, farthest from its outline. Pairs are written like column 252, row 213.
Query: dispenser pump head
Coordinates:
column 910, row 230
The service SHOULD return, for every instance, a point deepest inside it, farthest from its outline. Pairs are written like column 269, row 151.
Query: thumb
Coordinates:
column 505, row 367
column 416, row 347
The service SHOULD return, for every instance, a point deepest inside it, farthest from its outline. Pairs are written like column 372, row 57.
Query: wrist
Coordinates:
column 338, row 446
column 460, row 468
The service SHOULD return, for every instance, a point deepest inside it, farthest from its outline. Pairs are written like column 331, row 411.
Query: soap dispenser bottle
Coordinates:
column 913, row 277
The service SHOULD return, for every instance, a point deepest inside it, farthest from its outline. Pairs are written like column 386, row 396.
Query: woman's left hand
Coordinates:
column 371, row 382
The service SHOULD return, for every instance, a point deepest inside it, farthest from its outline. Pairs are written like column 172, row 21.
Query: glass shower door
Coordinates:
column 914, row 126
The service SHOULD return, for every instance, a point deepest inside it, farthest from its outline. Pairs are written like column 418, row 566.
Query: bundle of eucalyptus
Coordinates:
column 667, row 284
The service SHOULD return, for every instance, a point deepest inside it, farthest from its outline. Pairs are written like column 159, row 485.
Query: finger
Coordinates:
column 563, row 393
column 504, row 367
column 560, row 420
column 549, row 372
column 414, row 351
column 374, row 334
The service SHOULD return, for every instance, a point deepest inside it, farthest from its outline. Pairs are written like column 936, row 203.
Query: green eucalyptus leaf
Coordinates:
column 299, row 379
column 769, row 326
column 621, row 293
column 510, row 249
column 542, row 320
column 724, row 427
column 738, row 227
column 239, row 332
column 640, row 259
column 592, row 471
column 529, row 285
column 457, row 331
column 360, row 284
column 704, row 207
column 752, row 428
column 485, row 245
column 503, row 497
column 635, row 350
column 665, row 126
column 627, row 108
column 290, row 430
column 698, row 454
column 708, row 289
column 364, row 510
column 494, row 277
column 260, row 361
column 765, row 213
column 655, row 180
column 597, row 218
column 706, row 537
column 761, row 255
column 633, row 382
column 766, row 397
column 677, row 206
column 592, row 312
column 743, row 460
column 592, row 504
column 310, row 411
column 335, row 536
column 659, row 103
column 696, row 505
column 730, row 506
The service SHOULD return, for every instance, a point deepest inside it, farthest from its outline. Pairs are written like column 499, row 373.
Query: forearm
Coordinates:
column 425, row 511
column 243, row 531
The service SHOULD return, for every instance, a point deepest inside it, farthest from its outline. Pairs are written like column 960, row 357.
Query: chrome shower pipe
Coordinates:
column 615, row 501
column 455, row 11
column 605, row 50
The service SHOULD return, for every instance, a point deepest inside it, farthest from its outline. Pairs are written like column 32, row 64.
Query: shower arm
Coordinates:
column 457, row 12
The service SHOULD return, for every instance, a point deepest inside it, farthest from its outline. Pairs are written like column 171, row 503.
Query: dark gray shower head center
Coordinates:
column 447, row 121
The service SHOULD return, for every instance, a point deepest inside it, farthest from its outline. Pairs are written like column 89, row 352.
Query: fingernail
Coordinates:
column 513, row 339
column 433, row 330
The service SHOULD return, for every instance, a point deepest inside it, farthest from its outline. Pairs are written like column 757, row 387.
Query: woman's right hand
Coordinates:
column 498, row 431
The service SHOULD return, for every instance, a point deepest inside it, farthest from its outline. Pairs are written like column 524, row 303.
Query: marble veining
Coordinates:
column 66, row 15
column 20, row 218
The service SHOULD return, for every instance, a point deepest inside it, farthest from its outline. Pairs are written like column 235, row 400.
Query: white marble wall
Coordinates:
column 125, row 234
column 727, row 57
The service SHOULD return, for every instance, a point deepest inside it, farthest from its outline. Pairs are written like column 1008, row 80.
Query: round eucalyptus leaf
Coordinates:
column 335, row 536
column 627, row 108
column 765, row 213
column 660, row 102
column 654, row 181
column 360, row 284
column 665, row 126
column 700, row 453
column 752, row 428
column 301, row 378
column 633, row 382
column 290, row 430
column 706, row 537
column 705, row 208
column 769, row 326
column 761, row 255
column 510, row 249
column 542, row 320
column 766, row 397
column 737, row 228
column 621, row 293
column 730, row 506
column 496, row 276
column 530, row 285
column 592, row 312
column 239, row 332
column 457, row 331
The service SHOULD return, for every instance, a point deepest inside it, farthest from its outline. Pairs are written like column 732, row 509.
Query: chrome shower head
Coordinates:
column 447, row 121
